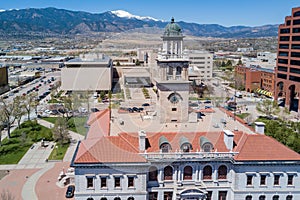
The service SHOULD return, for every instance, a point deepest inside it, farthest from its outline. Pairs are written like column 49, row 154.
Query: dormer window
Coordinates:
column 165, row 148
column 185, row 145
column 205, row 144
column 164, row 145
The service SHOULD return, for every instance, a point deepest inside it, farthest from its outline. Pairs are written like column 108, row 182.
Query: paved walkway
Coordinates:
column 27, row 179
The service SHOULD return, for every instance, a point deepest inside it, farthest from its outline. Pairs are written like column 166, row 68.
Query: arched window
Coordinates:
column 170, row 71
column 207, row 172
column 289, row 197
column 222, row 172
column 103, row 198
column 178, row 71
column 249, row 197
column 165, row 148
column 117, row 198
column 185, row 145
column 153, row 173
column 164, row 145
column 90, row 198
column 275, row 197
column 130, row 198
column 168, row 173
column 188, row 173
column 262, row 197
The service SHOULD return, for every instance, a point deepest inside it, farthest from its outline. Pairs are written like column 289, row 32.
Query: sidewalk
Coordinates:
column 28, row 178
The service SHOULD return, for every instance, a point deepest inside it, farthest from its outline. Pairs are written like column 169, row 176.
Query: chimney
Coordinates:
column 260, row 127
column 228, row 139
column 142, row 140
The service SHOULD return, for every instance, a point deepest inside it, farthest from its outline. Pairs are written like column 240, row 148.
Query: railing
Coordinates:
column 191, row 155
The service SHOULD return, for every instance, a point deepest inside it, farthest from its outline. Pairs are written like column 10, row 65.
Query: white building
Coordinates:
column 88, row 73
column 179, row 166
column 200, row 66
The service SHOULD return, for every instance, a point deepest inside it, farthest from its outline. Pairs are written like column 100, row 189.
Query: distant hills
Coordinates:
column 65, row 22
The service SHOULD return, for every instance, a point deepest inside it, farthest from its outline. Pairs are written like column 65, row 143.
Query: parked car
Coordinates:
column 94, row 109
column 145, row 104
column 135, row 109
column 70, row 191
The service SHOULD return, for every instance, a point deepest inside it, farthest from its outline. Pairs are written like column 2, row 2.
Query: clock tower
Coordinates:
column 172, row 76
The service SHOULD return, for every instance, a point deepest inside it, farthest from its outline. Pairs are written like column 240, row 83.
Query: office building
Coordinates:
column 288, row 61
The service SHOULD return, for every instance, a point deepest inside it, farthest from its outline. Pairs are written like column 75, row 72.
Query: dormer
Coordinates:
column 205, row 144
column 185, row 145
column 164, row 145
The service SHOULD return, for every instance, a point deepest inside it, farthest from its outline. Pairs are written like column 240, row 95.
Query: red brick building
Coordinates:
column 254, row 78
column 288, row 61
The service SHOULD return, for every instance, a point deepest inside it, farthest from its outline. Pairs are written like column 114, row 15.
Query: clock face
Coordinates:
column 174, row 98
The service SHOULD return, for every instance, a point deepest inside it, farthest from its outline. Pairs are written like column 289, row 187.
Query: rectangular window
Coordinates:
column 276, row 179
column 209, row 195
column 296, row 30
column 294, row 78
column 295, row 62
column 285, row 30
column 284, row 46
column 249, row 179
column 283, row 61
column 168, row 195
column 90, row 182
column 263, row 180
column 296, row 38
column 130, row 181
column 283, row 69
column 174, row 109
column 103, row 182
column 283, row 53
column 282, row 76
column 295, row 70
column 295, row 54
column 117, row 181
column 284, row 38
column 288, row 22
column 153, row 195
column 296, row 22
column 295, row 46
column 222, row 195
column 290, row 179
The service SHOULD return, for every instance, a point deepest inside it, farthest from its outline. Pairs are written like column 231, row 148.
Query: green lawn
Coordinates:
column 243, row 115
column 13, row 149
column 76, row 124
column 58, row 152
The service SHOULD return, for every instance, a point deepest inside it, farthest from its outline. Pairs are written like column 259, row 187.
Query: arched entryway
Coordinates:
column 194, row 194
column 293, row 98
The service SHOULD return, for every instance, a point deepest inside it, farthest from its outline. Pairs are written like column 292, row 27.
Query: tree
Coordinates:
column 8, row 110
column 240, row 62
column 28, row 102
column 267, row 107
column 60, row 131
column 20, row 111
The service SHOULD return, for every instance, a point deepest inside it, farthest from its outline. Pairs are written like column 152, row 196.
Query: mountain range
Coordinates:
column 66, row 22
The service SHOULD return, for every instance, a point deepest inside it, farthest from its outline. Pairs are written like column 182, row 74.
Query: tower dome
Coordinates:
column 173, row 29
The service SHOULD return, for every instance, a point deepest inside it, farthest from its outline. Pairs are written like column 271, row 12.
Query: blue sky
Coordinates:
column 223, row 12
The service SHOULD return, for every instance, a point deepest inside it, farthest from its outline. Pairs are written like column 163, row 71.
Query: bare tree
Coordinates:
column 8, row 110
column 60, row 131
column 267, row 107
column 20, row 110
column 28, row 102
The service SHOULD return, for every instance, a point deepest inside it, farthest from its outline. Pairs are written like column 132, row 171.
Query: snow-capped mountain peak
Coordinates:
column 125, row 14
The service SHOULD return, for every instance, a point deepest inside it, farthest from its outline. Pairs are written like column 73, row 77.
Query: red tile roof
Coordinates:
column 263, row 148
column 100, row 147
column 99, row 123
